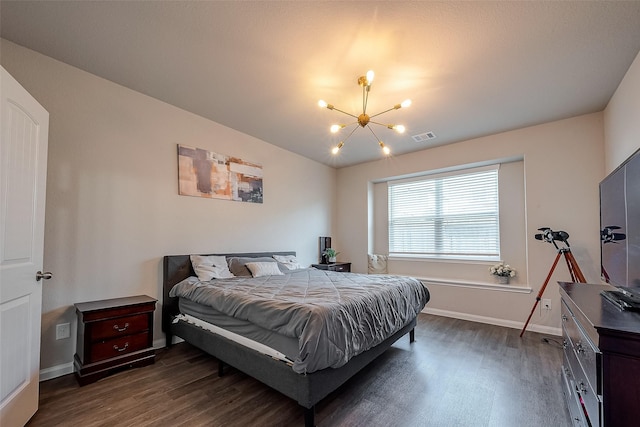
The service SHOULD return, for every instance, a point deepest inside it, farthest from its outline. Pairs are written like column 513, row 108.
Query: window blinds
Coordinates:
column 449, row 216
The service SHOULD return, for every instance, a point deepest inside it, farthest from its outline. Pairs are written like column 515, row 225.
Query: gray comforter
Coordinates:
column 334, row 316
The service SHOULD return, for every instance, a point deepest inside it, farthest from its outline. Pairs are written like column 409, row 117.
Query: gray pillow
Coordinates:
column 237, row 265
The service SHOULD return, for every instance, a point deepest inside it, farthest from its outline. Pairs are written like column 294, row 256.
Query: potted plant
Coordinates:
column 502, row 272
column 331, row 254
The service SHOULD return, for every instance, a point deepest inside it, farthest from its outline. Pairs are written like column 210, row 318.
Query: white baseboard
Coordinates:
column 494, row 321
column 56, row 371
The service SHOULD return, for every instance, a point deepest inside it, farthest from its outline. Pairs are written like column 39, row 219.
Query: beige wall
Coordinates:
column 113, row 208
column 622, row 119
column 563, row 164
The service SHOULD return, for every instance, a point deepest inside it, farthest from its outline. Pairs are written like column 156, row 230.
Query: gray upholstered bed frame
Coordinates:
column 306, row 389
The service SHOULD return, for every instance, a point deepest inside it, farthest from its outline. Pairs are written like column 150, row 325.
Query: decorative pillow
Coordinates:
column 210, row 267
column 289, row 261
column 259, row 269
column 237, row 265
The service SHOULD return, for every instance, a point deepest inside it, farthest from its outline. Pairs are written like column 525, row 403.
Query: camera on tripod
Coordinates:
column 550, row 236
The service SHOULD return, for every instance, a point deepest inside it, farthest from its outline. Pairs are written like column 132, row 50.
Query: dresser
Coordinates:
column 113, row 334
column 601, row 365
column 334, row 266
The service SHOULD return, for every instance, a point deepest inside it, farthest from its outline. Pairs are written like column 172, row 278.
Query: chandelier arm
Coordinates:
column 381, row 124
column 385, row 111
column 374, row 134
column 344, row 112
column 345, row 140
column 365, row 98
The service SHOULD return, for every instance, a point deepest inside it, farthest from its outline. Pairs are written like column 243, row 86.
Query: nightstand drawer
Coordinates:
column 342, row 267
column 119, row 346
column 120, row 326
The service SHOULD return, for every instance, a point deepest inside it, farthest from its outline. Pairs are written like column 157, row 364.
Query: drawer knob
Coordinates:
column 119, row 329
column 580, row 348
column 564, row 344
column 564, row 318
column 116, row 348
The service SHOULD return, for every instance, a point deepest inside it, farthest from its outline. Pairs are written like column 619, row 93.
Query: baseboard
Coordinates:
column 67, row 368
column 56, row 371
column 494, row 321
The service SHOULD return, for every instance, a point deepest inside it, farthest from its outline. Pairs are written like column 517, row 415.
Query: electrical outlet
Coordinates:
column 546, row 304
column 63, row 330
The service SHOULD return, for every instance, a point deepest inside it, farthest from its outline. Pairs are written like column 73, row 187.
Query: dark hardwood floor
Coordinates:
column 456, row 373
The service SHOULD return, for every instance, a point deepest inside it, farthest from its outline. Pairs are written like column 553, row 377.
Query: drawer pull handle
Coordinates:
column 116, row 348
column 564, row 318
column 564, row 344
column 119, row 329
column 580, row 348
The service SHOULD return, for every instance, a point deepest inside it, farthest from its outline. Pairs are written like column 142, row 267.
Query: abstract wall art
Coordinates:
column 203, row 173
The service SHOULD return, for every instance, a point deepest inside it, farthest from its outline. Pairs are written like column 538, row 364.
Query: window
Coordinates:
column 453, row 216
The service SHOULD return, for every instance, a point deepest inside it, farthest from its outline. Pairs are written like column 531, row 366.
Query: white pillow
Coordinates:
column 258, row 269
column 289, row 261
column 210, row 267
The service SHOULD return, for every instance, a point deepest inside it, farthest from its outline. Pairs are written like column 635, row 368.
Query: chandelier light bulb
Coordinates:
column 385, row 149
column 337, row 148
column 336, row 128
column 322, row 104
column 370, row 76
column 405, row 103
column 399, row 128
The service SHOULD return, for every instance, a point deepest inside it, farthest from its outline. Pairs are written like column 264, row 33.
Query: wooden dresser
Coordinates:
column 334, row 266
column 113, row 334
column 601, row 366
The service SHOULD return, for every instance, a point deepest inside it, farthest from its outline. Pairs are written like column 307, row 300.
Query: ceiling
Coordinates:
column 471, row 68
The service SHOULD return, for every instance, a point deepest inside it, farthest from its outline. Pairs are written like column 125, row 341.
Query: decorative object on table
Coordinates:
column 502, row 272
column 377, row 264
column 331, row 254
column 203, row 173
column 364, row 120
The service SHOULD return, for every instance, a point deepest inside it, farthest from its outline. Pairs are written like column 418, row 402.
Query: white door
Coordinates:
column 23, row 173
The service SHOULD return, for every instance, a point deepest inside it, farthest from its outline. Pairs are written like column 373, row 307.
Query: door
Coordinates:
column 23, row 172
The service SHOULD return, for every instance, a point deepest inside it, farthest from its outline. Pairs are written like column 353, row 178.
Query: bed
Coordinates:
column 303, row 377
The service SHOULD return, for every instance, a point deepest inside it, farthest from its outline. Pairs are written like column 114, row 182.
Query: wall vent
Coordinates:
column 424, row 137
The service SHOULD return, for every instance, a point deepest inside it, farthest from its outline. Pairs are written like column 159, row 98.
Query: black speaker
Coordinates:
column 325, row 242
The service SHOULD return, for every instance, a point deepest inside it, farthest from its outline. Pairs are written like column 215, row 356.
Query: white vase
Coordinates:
column 332, row 259
column 503, row 280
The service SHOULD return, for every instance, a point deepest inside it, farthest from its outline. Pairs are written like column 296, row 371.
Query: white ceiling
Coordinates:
column 471, row 68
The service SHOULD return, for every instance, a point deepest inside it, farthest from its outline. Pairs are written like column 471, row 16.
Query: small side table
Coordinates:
column 113, row 334
column 334, row 266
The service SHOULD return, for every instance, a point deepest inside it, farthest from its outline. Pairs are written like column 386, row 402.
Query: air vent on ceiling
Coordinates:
column 424, row 137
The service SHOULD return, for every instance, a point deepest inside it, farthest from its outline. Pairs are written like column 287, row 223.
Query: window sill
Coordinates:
column 476, row 285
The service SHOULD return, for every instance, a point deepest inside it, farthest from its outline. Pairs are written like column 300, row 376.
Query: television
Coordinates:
column 620, row 233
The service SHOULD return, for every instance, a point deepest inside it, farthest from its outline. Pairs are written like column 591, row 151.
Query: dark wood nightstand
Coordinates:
column 334, row 266
column 113, row 334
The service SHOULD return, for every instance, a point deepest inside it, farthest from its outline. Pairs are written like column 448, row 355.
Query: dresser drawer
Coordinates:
column 119, row 346
column 341, row 267
column 112, row 328
column 586, row 353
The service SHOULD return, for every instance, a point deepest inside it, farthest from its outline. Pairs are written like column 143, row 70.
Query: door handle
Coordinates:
column 46, row 275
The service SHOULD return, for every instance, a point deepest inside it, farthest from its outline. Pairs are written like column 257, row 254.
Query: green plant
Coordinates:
column 330, row 253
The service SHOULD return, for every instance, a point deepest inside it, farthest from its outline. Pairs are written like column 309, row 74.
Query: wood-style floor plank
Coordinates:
column 456, row 373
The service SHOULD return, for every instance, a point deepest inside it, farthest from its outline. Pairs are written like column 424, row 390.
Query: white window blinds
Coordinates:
column 454, row 216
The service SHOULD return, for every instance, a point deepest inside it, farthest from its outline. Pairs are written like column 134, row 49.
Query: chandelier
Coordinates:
column 364, row 120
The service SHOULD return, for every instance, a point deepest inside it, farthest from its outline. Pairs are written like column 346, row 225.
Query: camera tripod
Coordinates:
column 551, row 236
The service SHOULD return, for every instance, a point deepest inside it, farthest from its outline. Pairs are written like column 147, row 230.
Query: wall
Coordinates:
column 563, row 164
column 113, row 208
column 622, row 119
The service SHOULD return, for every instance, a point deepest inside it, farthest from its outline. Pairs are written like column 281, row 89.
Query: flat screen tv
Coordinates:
column 620, row 232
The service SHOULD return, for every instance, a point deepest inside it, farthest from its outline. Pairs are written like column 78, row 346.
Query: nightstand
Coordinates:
column 334, row 266
column 113, row 334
